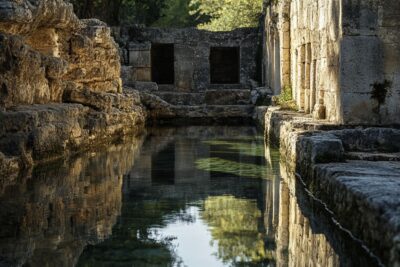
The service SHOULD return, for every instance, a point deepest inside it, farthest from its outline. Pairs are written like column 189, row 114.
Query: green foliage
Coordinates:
column 115, row 12
column 145, row 12
column 285, row 99
column 226, row 15
column 215, row 15
column 161, row 13
column 178, row 13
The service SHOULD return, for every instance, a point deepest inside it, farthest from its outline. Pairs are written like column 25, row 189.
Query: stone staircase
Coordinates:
column 211, row 106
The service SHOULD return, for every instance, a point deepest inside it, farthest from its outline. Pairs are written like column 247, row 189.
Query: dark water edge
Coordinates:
column 184, row 196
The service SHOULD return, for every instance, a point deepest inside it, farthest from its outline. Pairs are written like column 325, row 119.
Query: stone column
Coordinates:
column 285, row 40
column 301, row 65
column 307, row 78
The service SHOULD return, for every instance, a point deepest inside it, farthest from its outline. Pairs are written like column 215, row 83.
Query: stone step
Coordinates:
column 214, row 111
column 206, row 115
column 209, row 97
column 373, row 156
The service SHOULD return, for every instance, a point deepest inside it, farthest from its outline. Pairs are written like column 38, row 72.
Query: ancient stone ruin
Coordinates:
column 340, row 59
column 321, row 77
column 190, row 68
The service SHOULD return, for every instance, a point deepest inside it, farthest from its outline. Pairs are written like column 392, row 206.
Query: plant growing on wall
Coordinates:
column 285, row 99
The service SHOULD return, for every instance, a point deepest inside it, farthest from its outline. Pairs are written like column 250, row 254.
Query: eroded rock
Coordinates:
column 60, row 86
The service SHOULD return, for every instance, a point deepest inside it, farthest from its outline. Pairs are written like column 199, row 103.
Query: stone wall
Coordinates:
column 60, row 85
column 191, row 56
column 341, row 58
column 370, row 62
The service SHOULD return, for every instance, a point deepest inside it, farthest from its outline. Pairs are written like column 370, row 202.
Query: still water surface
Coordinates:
column 190, row 196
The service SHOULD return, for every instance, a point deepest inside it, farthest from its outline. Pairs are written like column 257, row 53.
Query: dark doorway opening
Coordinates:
column 225, row 65
column 163, row 166
column 162, row 63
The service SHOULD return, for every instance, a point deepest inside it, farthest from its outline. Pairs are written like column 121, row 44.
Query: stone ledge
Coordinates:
column 37, row 133
column 365, row 191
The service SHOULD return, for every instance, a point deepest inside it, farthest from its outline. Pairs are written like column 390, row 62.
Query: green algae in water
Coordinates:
column 232, row 167
column 234, row 146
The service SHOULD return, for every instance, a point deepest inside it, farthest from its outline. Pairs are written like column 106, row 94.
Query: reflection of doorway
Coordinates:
column 162, row 63
column 163, row 166
column 225, row 65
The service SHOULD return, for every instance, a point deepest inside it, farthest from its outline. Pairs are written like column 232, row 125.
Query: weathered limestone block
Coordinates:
column 45, row 41
column 26, row 76
column 93, row 58
column 316, row 149
column 23, row 16
column 156, row 106
column 42, row 132
column 261, row 96
column 370, row 139
column 146, row 86
column 227, row 97
column 47, row 56
column 179, row 98
column 9, row 166
column 140, row 54
column 102, row 101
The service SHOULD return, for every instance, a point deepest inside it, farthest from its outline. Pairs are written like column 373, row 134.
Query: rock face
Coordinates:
column 60, row 86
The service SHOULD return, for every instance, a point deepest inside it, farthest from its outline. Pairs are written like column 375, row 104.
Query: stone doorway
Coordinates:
column 225, row 65
column 162, row 63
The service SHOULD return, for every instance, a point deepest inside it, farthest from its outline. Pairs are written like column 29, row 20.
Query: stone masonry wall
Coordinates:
column 191, row 56
column 341, row 58
column 303, row 53
column 370, row 62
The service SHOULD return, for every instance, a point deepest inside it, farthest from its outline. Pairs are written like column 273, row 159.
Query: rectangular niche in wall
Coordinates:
column 225, row 65
column 162, row 63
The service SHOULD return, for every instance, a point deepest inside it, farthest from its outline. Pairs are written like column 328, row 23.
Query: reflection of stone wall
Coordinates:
column 299, row 243
column 50, row 215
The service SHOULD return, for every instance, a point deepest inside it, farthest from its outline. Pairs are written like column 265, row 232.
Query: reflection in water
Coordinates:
column 234, row 227
column 48, row 216
column 171, row 206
